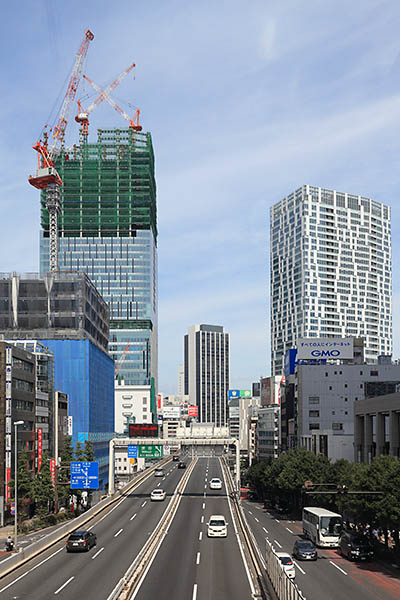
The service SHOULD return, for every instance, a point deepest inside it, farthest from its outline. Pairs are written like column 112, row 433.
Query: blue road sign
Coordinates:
column 85, row 475
column 132, row 451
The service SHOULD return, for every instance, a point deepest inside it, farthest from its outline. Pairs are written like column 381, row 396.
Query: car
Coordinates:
column 286, row 564
column 217, row 526
column 175, row 458
column 215, row 484
column 81, row 541
column 304, row 550
column 181, row 465
column 157, row 495
column 355, row 546
column 159, row 472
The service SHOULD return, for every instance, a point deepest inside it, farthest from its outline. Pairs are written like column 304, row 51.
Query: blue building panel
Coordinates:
column 86, row 374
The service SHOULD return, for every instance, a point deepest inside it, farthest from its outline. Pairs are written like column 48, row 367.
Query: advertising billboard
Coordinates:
column 324, row 348
column 193, row 411
column 143, row 430
column 239, row 394
column 171, row 412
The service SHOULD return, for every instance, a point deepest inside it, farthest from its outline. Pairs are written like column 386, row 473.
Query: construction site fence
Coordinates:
column 285, row 588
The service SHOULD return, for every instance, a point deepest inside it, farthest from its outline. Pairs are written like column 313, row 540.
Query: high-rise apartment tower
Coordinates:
column 206, row 372
column 330, row 271
column 108, row 228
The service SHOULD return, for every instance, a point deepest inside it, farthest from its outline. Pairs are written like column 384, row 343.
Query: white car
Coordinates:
column 217, row 526
column 157, row 495
column 287, row 564
column 215, row 484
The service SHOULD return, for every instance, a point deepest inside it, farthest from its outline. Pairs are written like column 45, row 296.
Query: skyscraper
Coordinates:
column 108, row 228
column 206, row 372
column 331, row 271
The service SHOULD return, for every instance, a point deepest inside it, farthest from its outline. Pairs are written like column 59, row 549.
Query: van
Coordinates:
column 355, row 546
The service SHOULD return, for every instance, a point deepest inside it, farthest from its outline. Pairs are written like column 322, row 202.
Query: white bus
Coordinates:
column 322, row 526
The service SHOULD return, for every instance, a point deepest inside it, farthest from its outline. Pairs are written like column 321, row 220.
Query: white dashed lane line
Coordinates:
column 337, row 566
column 97, row 553
column 289, row 530
column 266, row 530
column 277, row 520
column 132, row 517
column 255, row 518
column 202, row 518
column 194, row 595
column 200, row 536
column 30, row 570
column 64, row 584
column 198, row 558
column 204, row 505
column 118, row 532
column 278, row 544
column 144, row 503
column 299, row 568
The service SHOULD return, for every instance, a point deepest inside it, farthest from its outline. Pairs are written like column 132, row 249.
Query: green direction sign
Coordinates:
column 150, row 451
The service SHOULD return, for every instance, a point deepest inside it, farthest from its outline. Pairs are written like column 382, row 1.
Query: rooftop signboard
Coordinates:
column 324, row 348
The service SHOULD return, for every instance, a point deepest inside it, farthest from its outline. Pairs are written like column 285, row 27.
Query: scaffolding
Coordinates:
column 109, row 188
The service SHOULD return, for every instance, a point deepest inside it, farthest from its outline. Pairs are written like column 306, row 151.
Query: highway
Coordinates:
column 187, row 565
column 331, row 577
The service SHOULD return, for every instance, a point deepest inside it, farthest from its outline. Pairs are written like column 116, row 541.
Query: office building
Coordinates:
column 65, row 312
column 268, row 432
column 377, row 426
column 206, row 369
column 132, row 405
column 331, row 275
column 108, row 229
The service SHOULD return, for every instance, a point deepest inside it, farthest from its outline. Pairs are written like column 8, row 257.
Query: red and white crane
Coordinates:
column 47, row 177
column 83, row 115
column 133, row 123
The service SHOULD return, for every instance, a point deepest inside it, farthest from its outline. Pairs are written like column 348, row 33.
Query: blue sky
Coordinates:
column 246, row 101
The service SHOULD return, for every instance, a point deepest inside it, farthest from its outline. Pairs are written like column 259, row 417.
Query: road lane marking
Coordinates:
column 299, row 568
column 204, row 494
column 266, row 531
column 64, row 584
column 194, row 595
column 278, row 544
column 163, row 479
column 118, row 532
column 250, row 513
column 277, row 520
column 97, row 553
column 258, row 508
column 202, row 518
column 198, row 558
column 30, row 570
column 132, row 517
column 255, row 518
column 332, row 563
column 144, row 503
column 289, row 530
column 204, row 505
column 200, row 536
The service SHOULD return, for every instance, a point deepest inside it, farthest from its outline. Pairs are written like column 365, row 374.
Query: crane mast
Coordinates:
column 47, row 177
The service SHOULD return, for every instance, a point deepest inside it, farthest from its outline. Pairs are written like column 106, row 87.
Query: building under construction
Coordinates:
column 108, row 228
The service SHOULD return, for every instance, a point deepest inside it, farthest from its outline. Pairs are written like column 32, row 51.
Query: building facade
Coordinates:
column 66, row 313
column 268, row 432
column 206, row 371
column 108, row 229
column 132, row 405
column 330, row 263
column 377, row 427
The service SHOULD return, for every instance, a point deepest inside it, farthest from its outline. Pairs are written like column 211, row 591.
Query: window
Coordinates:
column 330, row 387
column 313, row 399
column 313, row 413
column 345, row 385
column 314, row 426
column 144, row 400
column 373, row 373
column 337, row 426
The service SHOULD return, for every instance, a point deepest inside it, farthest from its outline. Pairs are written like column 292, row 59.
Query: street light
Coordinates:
column 16, row 423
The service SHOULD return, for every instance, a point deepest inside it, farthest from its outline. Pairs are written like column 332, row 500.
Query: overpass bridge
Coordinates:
column 193, row 444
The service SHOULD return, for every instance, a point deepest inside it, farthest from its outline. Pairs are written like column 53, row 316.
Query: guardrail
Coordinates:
column 49, row 540
column 127, row 585
column 284, row 587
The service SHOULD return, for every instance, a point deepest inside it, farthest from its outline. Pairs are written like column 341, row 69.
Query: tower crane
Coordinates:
column 133, row 123
column 83, row 115
column 120, row 362
column 47, row 177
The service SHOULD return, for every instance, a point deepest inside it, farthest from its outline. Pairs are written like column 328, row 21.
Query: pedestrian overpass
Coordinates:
column 205, row 446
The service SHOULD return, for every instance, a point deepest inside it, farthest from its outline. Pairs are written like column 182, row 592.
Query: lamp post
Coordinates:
column 16, row 423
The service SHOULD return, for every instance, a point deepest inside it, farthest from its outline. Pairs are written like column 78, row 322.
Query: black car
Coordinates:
column 81, row 541
column 304, row 550
column 181, row 465
column 355, row 546
column 175, row 458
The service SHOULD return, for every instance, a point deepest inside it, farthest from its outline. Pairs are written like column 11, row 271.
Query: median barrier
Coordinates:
column 36, row 548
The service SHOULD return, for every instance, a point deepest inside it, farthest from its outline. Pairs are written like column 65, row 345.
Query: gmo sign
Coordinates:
column 325, row 348
column 325, row 353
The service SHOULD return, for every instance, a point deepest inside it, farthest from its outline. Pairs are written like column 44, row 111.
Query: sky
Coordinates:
column 246, row 102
